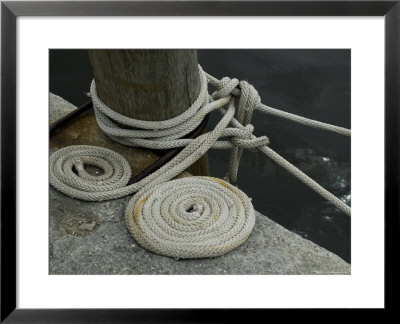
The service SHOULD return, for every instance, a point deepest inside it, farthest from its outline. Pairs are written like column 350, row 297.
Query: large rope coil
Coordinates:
column 194, row 217
column 186, row 218
column 231, row 96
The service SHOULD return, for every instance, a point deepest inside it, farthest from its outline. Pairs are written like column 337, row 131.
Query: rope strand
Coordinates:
column 193, row 217
column 168, row 134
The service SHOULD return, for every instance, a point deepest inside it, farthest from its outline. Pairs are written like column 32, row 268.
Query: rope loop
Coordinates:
column 249, row 97
column 235, row 99
column 194, row 217
column 225, row 86
column 68, row 175
column 251, row 144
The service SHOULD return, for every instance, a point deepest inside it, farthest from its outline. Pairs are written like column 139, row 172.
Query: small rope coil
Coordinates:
column 231, row 96
column 194, row 217
column 80, row 184
column 186, row 218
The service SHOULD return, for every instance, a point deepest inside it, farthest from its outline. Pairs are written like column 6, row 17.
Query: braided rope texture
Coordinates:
column 80, row 184
column 231, row 96
column 194, row 217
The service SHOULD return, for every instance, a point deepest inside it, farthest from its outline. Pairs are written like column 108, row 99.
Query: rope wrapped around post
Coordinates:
column 167, row 134
column 185, row 218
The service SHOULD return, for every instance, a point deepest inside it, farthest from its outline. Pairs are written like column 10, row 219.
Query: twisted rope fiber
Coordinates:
column 191, row 218
column 163, row 135
column 82, row 185
column 166, row 134
column 80, row 188
column 160, row 216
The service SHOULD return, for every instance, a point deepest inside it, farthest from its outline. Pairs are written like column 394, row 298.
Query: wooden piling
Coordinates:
column 148, row 84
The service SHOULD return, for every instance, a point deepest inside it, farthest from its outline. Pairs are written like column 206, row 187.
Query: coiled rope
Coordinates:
column 81, row 184
column 185, row 218
column 167, row 134
column 191, row 218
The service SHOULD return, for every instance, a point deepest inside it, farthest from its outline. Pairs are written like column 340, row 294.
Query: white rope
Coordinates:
column 193, row 217
column 166, row 134
column 81, row 184
column 67, row 182
column 282, row 114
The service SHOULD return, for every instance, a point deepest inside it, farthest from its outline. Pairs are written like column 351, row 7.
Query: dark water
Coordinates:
column 311, row 83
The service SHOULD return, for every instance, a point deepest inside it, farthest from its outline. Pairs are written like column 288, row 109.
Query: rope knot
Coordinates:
column 250, row 143
column 249, row 129
column 249, row 97
column 225, row 87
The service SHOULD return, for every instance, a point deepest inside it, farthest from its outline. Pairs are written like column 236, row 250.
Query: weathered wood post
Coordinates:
column 148, row 84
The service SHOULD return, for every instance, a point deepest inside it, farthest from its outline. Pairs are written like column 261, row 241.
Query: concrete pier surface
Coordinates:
column 91, row 237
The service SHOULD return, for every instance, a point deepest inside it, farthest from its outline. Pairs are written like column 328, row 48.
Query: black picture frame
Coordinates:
column 10, row 10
